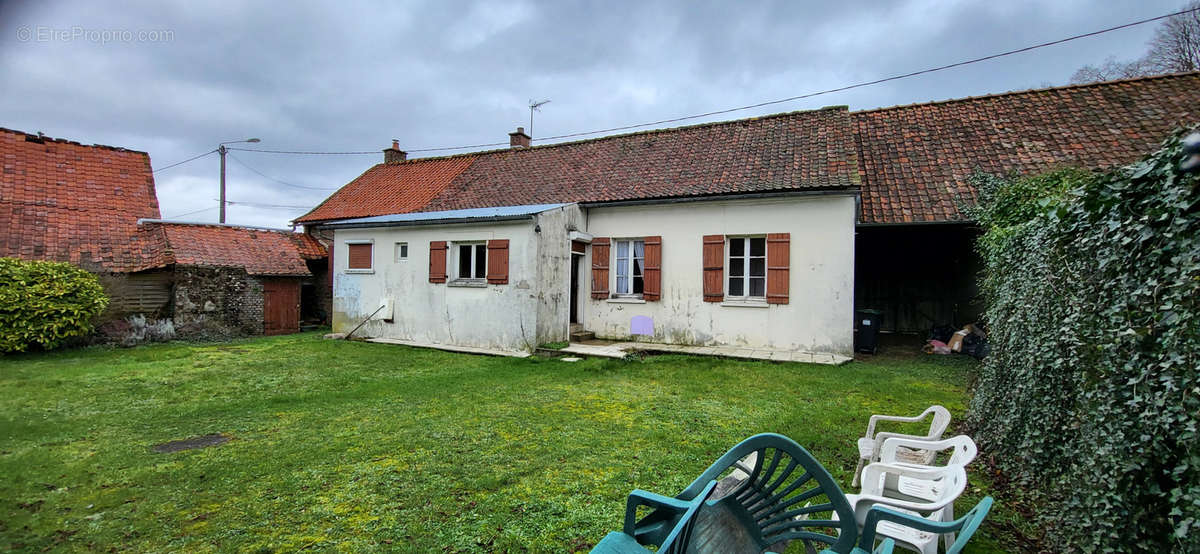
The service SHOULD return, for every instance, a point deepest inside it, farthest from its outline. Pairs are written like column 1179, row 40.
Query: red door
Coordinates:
column 281, row 306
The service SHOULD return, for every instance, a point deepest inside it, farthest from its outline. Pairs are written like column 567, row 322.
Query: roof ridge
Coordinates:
column 73, row 142
column 838, row 107
column 165, row 222
column 1032, row 91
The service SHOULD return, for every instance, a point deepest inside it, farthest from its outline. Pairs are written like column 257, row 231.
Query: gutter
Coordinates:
column 848, row 191
column 453, row 221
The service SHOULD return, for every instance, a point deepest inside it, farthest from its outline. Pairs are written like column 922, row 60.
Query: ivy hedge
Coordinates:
column 45, row 303
column 1091, row 396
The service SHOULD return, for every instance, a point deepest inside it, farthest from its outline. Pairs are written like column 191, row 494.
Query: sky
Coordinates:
column 176, row 78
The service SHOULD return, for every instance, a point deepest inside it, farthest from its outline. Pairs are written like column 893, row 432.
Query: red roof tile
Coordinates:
column 390, row 188
column 258, row 251
column 65, row 201
column 916, row 160
column 801, row 150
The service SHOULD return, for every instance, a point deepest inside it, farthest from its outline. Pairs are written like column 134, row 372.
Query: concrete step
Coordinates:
column 581, row 335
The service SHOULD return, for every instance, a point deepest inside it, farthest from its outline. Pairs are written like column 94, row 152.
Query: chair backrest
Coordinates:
column 941, row 420
column 964, row 449
column 965, row 526
column 787, row 495
column 945, row 483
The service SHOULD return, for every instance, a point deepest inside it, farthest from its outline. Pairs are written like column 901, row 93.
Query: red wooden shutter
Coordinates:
column 360, row 256
column 652, row 270
column 437, row 261
column 714, row 268
column 497, row 261
column 778, row 260
column 599, row 268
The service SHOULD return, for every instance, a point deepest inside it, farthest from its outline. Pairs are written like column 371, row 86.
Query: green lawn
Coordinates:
column 354, row 446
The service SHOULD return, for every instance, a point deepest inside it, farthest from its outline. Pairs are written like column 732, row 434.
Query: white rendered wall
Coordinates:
column 502, row 317
column 819, row 315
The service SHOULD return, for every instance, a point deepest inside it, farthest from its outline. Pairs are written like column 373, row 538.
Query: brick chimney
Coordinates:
column 519, row 139
column 394, row 154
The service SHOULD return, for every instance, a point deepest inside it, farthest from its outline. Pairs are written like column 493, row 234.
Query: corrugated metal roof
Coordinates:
column 419, row 218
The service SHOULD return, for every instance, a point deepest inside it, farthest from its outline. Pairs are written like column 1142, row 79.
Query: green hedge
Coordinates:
column 1091, row 397
column 45, row 303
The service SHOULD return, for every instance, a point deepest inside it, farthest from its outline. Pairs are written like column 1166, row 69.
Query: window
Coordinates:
column 631, row 260
column 472, row 260
column 401, row 252
column 747, row 267
column 359, row 256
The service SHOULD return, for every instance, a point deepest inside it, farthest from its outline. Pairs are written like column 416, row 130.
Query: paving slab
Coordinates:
column 454, row 348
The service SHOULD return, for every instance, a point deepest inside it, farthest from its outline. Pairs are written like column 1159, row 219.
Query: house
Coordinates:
column 740, row 233
column 763, row 232
column 96, row 207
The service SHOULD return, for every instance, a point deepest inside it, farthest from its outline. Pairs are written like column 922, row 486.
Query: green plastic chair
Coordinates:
column 761, row 494
column 965, row 526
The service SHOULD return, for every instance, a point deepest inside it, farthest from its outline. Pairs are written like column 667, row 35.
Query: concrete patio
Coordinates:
column 609, row 349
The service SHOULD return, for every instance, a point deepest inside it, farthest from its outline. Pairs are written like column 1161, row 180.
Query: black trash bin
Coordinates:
column 867, row 325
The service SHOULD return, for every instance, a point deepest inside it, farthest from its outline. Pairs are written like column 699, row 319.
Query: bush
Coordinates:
column 45, row 303
column 1091, row 397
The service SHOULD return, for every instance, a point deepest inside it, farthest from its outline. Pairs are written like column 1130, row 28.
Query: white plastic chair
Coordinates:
column 963, row 452
column 944, row 483
column 870, row 445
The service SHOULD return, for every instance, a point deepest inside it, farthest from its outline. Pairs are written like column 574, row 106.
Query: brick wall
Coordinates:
column 217, row 302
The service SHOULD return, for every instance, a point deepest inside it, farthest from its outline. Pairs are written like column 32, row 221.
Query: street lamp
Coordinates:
column 221, row 148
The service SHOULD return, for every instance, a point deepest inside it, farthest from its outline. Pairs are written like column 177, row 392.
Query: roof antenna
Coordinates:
column 535, row 107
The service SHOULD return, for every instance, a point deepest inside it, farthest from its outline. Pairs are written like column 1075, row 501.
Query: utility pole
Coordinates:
column 222, row 150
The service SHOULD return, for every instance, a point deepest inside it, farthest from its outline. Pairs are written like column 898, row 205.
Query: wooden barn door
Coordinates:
column 281, row 306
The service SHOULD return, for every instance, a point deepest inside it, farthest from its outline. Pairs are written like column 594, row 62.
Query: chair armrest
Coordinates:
column 872, row 473
column 640, row 497
column 900, row 419
column 880, row 513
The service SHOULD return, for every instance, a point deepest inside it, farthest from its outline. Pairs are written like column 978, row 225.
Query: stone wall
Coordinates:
column 217, row 302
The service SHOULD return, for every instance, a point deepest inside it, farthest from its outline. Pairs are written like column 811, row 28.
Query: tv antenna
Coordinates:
column 535, row 106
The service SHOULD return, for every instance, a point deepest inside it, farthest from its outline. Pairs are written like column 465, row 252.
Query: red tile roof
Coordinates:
column 64, row 201
column 258, row 251
column 794, row 151
column 915, row 160
column 390, row 188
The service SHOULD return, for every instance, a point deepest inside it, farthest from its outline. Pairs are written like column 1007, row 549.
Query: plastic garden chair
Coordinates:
column 945, row 484
column 965, row 526
column 870, row 445
column 962, row 452
column 770, row 491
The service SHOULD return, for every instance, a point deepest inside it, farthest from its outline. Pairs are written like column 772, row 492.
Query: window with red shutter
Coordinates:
column 652, row 270
column 437, row 261
column 714, row 268
column 497, row 261
column 600, row 268
column 778, row 270
column 359, row 256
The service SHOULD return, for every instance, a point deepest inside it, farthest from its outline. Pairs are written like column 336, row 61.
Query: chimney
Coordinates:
column 394, row 154
column 519, row 139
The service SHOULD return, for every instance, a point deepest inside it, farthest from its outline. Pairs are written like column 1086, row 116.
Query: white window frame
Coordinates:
column 457, row 261
column 629, row 266
column 745, row 276
column 401, row 252
column 346, row 267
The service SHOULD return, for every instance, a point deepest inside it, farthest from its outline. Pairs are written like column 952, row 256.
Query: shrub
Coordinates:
column 1091, row 397
column 45, row 303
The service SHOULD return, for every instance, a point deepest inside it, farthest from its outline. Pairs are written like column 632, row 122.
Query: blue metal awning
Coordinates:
column 471, row 215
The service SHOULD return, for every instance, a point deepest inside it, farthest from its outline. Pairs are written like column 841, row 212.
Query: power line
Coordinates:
column 195, row 212
column 197, row 157
column 264, row 175
column 269, row 206
column 769, row 102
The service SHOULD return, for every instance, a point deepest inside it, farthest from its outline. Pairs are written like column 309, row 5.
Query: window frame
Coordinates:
column 630, row 266
column 400, row 252
column 477, row 246
column 745, row 276
column 353, row 242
